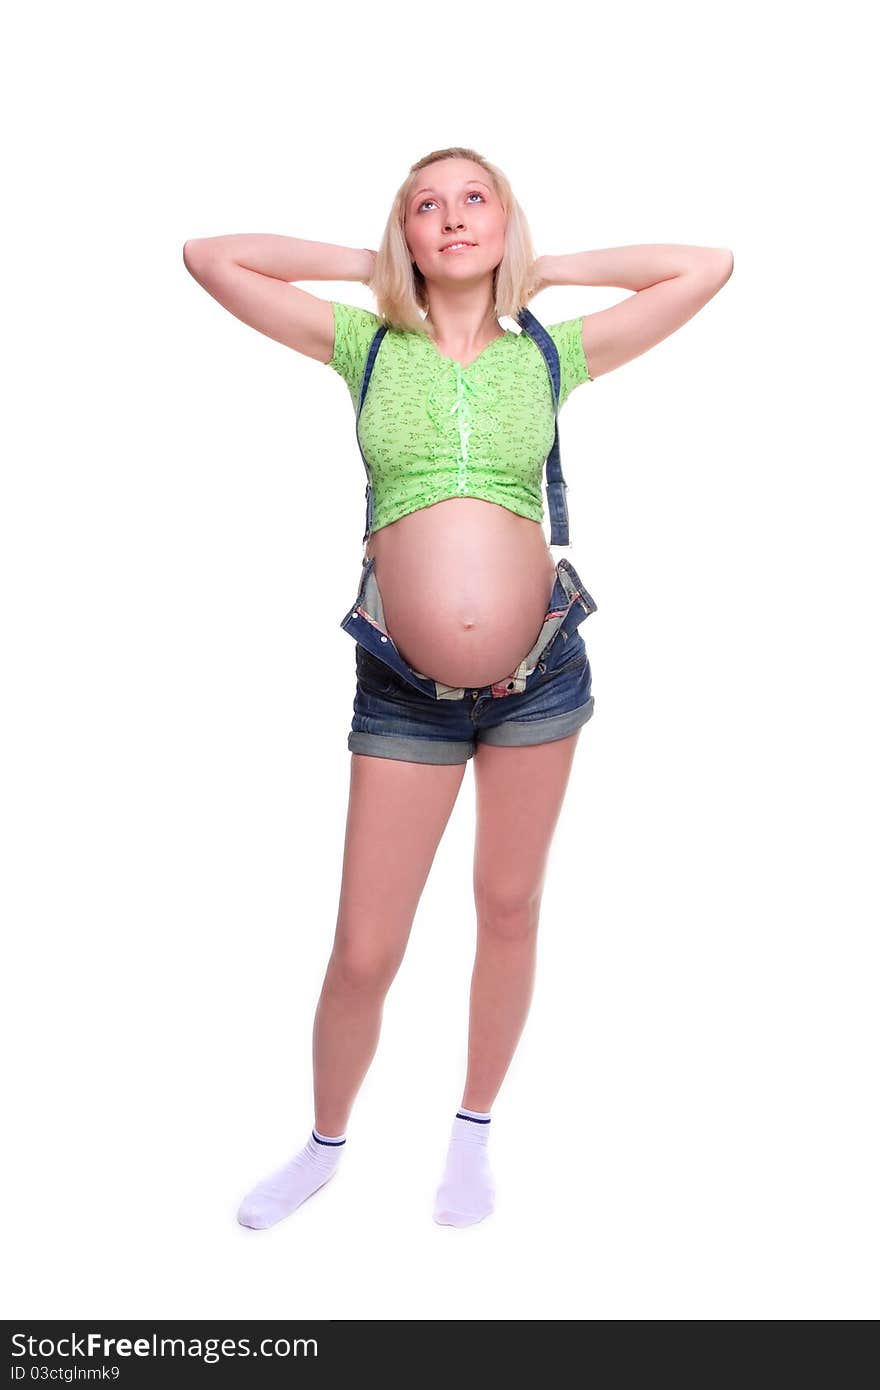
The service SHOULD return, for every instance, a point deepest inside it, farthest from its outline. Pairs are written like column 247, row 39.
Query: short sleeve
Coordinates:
column 573, row 367
column 354, row 330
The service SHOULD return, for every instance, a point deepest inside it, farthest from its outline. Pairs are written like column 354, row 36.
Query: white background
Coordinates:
column 689, row 1127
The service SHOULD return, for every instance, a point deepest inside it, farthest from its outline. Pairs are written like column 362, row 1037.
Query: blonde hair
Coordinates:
column 399, row 285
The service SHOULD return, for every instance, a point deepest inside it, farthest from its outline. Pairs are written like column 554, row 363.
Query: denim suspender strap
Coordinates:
column 368, row 372
column 557, row 505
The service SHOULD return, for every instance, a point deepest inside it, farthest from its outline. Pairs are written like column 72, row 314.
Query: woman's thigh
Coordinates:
column 519, row 795
column 397, row 812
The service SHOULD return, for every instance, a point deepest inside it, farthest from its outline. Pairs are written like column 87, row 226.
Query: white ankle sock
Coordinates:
column 282, row 1192
column 467, row 1190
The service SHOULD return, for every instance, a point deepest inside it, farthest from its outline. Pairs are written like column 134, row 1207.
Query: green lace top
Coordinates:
column 432, row 429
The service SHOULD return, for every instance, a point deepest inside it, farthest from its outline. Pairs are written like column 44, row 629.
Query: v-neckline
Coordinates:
column 465, row 367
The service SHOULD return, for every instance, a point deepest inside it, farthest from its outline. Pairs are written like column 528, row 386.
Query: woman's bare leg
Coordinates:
column 519, row 798
column 396, row 817
column 519, row 795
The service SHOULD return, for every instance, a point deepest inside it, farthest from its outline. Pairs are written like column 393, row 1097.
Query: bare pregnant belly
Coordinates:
column 465, row 586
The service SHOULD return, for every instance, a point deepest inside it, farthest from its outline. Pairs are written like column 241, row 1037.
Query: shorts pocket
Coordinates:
column 565, row 653
column 373, row 675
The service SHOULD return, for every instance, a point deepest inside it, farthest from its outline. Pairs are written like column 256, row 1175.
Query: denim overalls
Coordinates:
column 569, row 602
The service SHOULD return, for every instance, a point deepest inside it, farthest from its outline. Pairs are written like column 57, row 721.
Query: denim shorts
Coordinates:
column 400, row 713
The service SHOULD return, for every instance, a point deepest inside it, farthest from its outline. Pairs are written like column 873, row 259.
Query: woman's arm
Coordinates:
column 282, row 257
column 672, row 283
column 634, row 267
column 249, row 273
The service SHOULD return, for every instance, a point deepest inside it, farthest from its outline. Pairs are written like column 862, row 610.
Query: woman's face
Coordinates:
column 454, row 200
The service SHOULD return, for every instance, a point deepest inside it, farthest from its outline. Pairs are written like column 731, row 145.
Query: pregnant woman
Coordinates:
column 466, row 631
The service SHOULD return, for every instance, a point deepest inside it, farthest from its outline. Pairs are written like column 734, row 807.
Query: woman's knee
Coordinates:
column 359, row 968
column 508, row 912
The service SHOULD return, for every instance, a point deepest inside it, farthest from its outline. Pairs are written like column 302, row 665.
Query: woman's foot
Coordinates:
column 467, row 1190
column 282, row 1192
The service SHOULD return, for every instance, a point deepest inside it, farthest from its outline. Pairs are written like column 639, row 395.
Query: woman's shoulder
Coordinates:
column 567, row 336
column 354, row 329
column 353, row 320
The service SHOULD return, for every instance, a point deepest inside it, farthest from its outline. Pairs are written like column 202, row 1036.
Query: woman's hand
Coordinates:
column 538, row 280
column 369, row 266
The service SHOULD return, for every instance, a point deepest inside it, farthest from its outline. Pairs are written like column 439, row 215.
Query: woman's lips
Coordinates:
column 451, row 250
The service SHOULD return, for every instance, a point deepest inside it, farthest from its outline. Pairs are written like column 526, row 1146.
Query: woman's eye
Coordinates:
column 472, row 194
